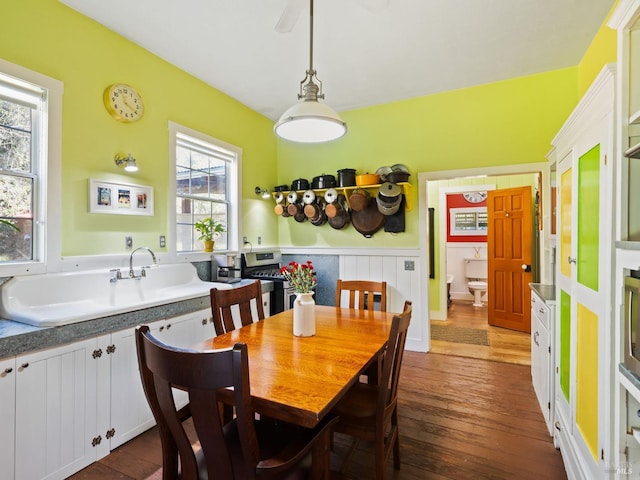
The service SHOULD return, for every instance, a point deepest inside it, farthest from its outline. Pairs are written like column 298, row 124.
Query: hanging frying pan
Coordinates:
column 368, row 221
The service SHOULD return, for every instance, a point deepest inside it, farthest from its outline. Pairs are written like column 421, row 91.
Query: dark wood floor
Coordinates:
column 460, row 418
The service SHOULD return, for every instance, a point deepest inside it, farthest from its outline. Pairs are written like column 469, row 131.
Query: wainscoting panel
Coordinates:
column 402, row 283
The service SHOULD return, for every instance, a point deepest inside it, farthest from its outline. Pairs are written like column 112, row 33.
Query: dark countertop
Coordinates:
column 546, row 292
column 17, row 338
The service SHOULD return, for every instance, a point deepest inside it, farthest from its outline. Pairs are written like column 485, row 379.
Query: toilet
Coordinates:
column 475, row 269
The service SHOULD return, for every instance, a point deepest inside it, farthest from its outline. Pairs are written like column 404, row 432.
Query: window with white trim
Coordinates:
column 206, row 185
column 30, row 138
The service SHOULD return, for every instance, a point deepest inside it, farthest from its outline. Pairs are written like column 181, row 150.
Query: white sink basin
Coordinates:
column 61, row 298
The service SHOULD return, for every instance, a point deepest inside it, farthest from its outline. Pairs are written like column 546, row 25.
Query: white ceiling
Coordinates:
column 409, row 48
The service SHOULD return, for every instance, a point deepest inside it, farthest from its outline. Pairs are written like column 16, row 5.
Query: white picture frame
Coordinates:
column 120, row 198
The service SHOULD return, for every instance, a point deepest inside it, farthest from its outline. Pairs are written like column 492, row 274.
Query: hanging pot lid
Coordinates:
column 389, row 191
column 292, row 197
column 331, row 195
column 279, row 197
column 308, row 197
column 383, row 172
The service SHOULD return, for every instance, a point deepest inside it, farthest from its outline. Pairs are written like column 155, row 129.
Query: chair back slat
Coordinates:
column 223, row 302
column 364, row 291
column 392, row 360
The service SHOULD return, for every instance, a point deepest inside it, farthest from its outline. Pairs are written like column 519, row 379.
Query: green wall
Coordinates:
column 50, row 38
column 501, row 123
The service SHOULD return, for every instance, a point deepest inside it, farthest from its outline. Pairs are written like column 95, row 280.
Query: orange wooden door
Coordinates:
column 509, row 246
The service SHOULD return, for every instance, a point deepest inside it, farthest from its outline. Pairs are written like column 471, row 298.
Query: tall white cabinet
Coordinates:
column 584, row 161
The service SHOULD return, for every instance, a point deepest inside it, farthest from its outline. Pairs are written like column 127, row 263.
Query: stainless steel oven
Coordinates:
column 265, row 265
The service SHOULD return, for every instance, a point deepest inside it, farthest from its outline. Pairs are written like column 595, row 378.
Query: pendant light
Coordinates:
column 310, row 121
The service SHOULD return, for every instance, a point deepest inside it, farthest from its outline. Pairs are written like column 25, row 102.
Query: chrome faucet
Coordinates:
column 143, row 273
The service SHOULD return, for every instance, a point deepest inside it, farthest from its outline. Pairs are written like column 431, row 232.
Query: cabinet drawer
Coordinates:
column 540, row 310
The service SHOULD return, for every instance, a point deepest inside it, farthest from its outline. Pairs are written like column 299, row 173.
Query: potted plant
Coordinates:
column 209, row 229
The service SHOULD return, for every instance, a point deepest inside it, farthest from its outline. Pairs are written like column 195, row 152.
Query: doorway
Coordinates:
column 503, row 345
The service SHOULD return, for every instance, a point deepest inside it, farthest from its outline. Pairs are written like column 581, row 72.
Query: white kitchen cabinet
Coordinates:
column 55, row 411
column 8, row 402
column 542, row 364
column 130, row 413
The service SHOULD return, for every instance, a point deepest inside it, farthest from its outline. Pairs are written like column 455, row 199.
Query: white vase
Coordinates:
column 304, row 315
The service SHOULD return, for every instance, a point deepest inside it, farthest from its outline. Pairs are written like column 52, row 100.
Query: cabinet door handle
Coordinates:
column 24, row 365
column 8, row 370
column 572, row 260
column 535, row 338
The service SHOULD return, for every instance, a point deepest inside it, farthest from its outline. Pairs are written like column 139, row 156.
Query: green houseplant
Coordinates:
column 209, row 229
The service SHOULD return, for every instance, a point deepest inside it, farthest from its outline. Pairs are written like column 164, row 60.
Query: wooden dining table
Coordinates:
column 300, row 379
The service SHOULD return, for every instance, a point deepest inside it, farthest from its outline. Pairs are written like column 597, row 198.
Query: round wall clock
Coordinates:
column 475, row 197
column 123, row 102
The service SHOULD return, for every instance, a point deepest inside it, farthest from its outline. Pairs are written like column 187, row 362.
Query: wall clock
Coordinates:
column 123, row 102
column 475, row 197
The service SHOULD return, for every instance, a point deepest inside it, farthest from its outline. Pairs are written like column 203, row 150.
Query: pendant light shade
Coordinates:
column 310, row 121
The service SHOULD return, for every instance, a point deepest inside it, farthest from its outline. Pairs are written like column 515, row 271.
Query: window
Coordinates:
column 206, row 185
column 30, row 118
column 469, row 221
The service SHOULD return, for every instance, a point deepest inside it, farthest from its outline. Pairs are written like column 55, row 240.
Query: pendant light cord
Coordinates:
column 311, row 36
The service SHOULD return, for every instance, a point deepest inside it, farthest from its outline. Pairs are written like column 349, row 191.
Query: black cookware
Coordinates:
column 281, row 188
column 323, row 181
column 347, row 177
column 396, row 177
column 300, row 184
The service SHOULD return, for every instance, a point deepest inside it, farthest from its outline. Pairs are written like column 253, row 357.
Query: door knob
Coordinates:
column 571, row 260
column 526, row 268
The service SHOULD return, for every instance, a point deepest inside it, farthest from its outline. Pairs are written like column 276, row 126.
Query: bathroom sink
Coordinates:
column 55, row 299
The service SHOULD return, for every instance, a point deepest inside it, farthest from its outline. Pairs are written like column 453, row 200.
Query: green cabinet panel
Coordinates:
column 588, row 242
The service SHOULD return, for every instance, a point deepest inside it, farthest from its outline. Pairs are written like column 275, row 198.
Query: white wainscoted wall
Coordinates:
column 394, row 267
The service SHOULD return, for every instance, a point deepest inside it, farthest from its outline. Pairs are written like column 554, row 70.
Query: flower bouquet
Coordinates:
column 300, row 276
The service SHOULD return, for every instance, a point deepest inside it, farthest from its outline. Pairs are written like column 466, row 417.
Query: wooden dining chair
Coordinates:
column 370, row 412
column 244, row 448
column 362, row 293
column 222, row 302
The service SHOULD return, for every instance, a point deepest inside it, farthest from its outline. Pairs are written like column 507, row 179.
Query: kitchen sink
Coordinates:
column 55, row 299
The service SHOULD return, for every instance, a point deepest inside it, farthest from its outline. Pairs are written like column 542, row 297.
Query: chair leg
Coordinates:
column 321, row 457
column 379, row 451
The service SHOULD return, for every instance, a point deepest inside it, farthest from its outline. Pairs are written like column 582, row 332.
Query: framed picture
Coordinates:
column 120, row 199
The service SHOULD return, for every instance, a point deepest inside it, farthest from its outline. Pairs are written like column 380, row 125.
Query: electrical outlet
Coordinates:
column 128, row 242
column 244, row 240
column 259, row 240
column 163, row 241
column 409, row 265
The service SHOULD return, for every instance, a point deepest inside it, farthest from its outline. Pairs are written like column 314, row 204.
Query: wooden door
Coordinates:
column 509, row 247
